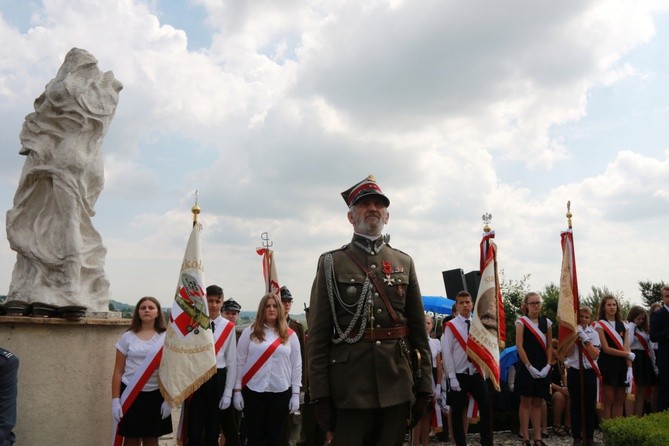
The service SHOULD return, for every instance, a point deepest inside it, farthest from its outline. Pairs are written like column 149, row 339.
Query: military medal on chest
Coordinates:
column 387, row 270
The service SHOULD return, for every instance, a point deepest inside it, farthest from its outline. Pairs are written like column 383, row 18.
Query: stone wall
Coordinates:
column 64, row 395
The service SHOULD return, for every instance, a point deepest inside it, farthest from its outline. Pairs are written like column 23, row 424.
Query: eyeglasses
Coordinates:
column 534, row 303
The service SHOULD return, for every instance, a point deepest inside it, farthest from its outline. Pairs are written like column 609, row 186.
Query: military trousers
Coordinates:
column 371, row 427
column 9, row 367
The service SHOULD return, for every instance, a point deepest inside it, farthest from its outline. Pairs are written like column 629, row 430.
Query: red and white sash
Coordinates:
column 644, row 344
column 614, row 335
column 463, row 343
column 263, row 359
column 139, row 379
column 534, row 329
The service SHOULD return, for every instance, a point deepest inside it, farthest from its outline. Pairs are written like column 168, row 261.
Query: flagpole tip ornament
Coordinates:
column 195, row 209
column 487, row 218
column 362, row 189
column 568, row 214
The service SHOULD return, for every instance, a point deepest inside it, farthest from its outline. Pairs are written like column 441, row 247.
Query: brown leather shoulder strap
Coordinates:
column 377, row 284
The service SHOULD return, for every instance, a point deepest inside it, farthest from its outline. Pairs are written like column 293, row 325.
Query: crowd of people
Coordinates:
column 372, row 370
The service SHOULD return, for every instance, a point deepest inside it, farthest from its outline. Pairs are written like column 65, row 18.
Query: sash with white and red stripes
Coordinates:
column 472, row 405
column 139, row 379
column 263, row 359
column 461, row 340
column 614, row 335
column 645, row 345
column 534, row 329
column 221, row 334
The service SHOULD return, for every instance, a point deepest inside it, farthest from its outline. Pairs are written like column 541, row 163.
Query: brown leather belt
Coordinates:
column 385, row 333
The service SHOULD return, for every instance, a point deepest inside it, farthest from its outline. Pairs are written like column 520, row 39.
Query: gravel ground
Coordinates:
column 504, row 438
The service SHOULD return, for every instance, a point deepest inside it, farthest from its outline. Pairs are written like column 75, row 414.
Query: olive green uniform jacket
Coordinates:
column 367, row 374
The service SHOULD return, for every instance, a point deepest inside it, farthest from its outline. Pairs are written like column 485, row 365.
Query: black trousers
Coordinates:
column 663, row 396
column 265, row 415
column 477, row 387
column 204, row 416
column 230, row 424
column 589, row 401
column 383, row 426
column 9, row 367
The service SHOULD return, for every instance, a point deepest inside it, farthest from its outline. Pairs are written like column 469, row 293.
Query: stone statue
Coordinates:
column 60, row 257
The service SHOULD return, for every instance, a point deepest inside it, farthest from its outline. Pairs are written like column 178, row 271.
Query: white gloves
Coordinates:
column 455, row 384
column 581, row 334
column 165, row 410
column 545, row 371
column 631, row 356
column 224, row 403
column 630, row 376
column 294, row 403
column 437, row 391
column 238, row 401
column 534, row 373
column 117, row 410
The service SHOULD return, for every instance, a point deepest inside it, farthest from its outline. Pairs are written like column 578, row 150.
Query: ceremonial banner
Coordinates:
column 188, row 353
column 568, row 300
column 488, row 331
column 269, row 271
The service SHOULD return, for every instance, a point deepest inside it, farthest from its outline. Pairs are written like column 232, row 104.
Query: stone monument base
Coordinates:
column 65, row 371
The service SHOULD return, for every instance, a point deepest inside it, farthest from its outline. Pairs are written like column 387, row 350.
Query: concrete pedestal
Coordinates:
column 64, row 395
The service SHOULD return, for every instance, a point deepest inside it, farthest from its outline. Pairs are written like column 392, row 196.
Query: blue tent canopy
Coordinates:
column 438, row 304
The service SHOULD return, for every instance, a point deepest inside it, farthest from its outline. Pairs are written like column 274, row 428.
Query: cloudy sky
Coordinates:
column 271, row 108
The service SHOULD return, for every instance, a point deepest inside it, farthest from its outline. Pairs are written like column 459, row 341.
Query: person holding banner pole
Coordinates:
column 535, row 351
column 148, row 416
column 583, row 402
column 269, row 374
column 615, row 359
column 206, row 405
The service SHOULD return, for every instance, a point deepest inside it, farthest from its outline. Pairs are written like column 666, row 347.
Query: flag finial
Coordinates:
column 266, row 242
column 196, row 208
column 487, row 218
column 568, row 214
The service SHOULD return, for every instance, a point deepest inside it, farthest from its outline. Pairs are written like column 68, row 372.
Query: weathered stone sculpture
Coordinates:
column 60, row 256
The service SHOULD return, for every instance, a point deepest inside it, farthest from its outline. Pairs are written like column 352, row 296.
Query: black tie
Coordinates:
column 213, row 326
column 468, row 325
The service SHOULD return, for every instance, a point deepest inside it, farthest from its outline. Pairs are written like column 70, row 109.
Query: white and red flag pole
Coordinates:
column 488, row 330
column 567, row 312
column 188, row 358
column 268, row 266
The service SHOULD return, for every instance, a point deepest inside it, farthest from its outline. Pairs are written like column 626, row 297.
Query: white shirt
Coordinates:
column 572, row 360
column 281, row 371
column 454, row 358
column 227, row 355
column 135, row 351
column 435, row 348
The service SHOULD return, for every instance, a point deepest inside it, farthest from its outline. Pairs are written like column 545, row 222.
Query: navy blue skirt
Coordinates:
column 143, row 417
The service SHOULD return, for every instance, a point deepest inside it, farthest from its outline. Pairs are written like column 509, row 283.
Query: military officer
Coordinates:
column 366, row 320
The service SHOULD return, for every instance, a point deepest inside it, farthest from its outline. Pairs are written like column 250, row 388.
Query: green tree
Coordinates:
column 550, row 296
column 651, row 292
column 513, row 293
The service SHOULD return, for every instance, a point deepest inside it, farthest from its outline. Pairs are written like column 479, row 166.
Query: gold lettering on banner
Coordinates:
column 173, row 348
column 489, row 279
column 192, row 264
